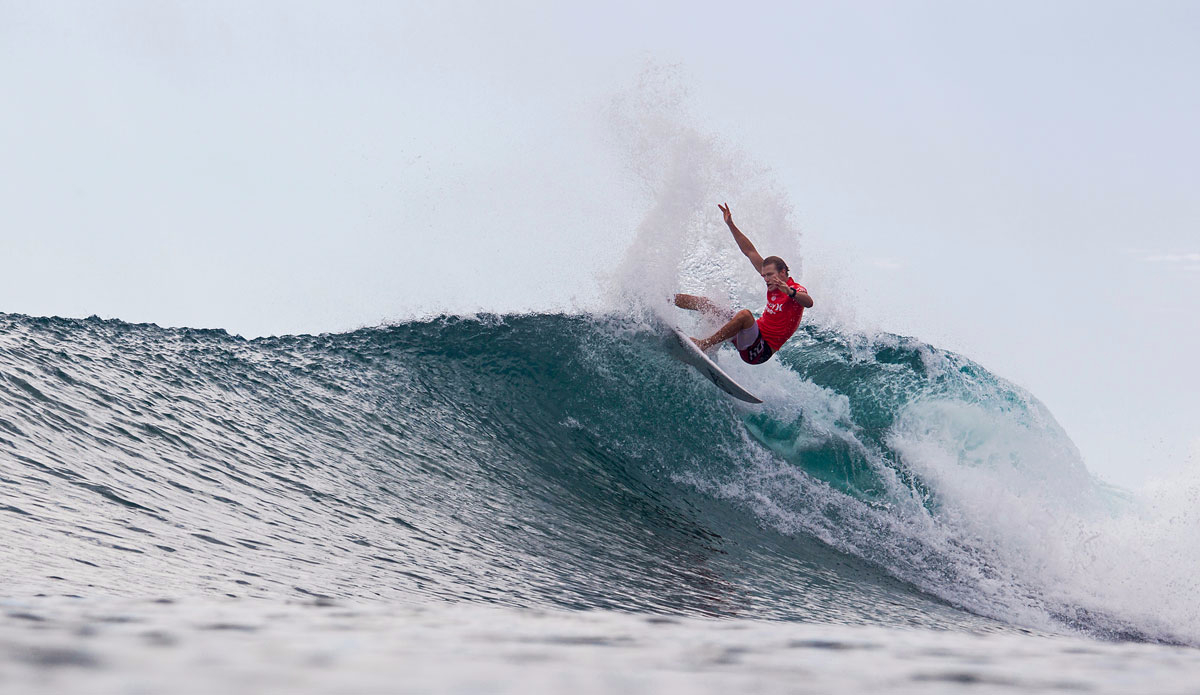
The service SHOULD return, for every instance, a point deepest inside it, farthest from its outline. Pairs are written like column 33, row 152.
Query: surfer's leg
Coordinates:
column 701, row 304
column 740, row 321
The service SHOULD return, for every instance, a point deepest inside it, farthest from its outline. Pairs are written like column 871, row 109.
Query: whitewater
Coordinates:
column 543, row 501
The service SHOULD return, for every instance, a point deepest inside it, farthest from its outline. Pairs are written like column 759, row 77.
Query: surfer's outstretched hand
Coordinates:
column 725, row 211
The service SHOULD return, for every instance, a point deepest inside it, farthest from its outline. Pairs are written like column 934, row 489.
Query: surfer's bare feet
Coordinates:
column 701, row 344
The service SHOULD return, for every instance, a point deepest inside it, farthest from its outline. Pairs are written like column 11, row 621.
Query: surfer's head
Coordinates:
column 773, row 266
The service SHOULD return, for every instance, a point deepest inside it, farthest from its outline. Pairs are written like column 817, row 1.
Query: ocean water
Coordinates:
column 541, row 503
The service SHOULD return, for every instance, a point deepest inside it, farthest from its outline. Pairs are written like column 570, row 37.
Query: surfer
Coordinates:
column 755, row 340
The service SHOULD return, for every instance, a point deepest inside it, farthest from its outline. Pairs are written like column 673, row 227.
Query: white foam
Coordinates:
column 1013, row 527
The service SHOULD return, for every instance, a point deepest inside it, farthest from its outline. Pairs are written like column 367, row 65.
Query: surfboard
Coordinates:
column 683, row 349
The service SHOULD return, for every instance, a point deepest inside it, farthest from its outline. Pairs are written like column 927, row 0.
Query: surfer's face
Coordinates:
column 770, row 273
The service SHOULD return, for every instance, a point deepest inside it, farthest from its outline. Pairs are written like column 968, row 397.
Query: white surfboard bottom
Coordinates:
column 684, row 350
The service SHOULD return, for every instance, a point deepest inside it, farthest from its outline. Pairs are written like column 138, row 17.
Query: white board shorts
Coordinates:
column 745, row 337
column 751, row 346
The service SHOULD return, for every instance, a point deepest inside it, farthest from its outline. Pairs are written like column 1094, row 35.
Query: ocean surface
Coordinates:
column 544, row 503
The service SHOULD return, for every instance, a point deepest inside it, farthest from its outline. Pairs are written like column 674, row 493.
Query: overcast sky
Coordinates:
column 1014, row 181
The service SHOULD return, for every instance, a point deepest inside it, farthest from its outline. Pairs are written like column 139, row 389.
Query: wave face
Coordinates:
column 551, row 460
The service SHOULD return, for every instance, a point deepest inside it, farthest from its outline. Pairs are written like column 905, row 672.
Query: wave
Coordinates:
column 563, row 460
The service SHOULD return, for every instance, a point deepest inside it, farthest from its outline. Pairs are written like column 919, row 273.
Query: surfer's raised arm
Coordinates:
column 742, row 242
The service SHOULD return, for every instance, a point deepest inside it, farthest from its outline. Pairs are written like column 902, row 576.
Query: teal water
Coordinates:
column 556, row 462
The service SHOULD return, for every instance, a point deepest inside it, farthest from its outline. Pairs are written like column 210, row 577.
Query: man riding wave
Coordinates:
column 755, row 340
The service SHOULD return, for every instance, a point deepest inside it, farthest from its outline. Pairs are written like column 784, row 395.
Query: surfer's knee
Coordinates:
column 745, row 317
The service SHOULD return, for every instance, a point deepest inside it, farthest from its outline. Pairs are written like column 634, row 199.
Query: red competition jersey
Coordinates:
column 781, row 317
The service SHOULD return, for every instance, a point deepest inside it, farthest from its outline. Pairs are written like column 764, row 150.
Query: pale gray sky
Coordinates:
column 1014, row 181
